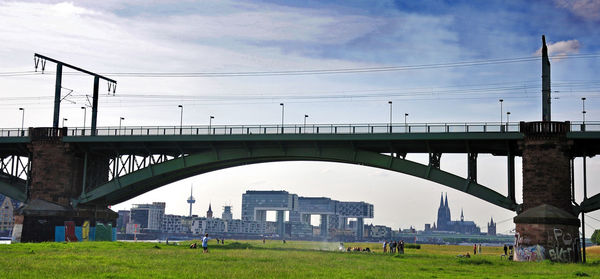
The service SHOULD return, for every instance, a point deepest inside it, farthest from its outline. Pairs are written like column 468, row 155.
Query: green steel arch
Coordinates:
column 13, row 187
column 154, row 176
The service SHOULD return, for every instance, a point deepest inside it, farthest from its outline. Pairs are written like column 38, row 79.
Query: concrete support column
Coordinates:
column 546, row 228
column 324, row 225
column 57, row 176
column 280, row 223
column 360, row 224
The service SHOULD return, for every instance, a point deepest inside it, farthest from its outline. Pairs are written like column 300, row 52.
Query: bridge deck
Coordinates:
column 492, row 138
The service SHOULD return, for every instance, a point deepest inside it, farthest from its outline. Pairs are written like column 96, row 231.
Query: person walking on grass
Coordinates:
column 385, row 246
column 205, row 243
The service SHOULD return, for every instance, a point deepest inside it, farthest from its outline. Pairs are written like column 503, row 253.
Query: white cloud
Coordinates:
column 561, row 48
column 587, row 9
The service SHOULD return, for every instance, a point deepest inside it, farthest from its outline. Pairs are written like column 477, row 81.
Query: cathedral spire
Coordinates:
column 442, row 200
column 446, row 203
column 209, row 213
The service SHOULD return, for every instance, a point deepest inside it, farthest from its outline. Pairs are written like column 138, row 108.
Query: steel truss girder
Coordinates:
column 125, row 164
column 14, row 172
column 434, row 159
column 159, row 174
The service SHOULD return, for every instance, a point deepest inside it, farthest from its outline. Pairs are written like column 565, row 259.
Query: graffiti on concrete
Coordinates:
column 529, row 253
column 85, row 231
column 70, row 232
column 563, row 247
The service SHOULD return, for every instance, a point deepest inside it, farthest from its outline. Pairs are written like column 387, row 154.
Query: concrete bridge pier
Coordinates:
column 546, row 226
column 57, row 174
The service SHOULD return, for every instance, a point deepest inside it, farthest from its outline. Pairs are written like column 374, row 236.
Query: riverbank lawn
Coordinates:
column 253, row 259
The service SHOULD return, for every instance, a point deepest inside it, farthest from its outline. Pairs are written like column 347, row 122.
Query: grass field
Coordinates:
column 252, row 259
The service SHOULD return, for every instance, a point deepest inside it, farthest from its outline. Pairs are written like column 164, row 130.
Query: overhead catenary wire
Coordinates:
column 324, row 71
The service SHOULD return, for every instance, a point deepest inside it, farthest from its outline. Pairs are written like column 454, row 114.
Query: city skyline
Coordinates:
column 315, row 221
column 425, row 45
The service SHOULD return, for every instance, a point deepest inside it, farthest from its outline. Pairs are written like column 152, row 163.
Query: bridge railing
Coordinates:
column 301, row 129
column 14, row 132
column 473, row 127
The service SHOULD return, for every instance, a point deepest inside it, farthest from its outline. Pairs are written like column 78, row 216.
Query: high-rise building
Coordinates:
column 148, row 216
column 191, row 200
column 334, row 214
column 123, row 220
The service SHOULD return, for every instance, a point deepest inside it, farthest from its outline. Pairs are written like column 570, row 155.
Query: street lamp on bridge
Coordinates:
column 181, row 120
column 63, row 122
column 507, row 119
column 210, row 123
column 84, row 115
column 583, row 109
column 390, row 102
column 501, row 101
column 22, row 120
column 305, row 116
column 405, row 126
column 282, row 113
column 120, row 121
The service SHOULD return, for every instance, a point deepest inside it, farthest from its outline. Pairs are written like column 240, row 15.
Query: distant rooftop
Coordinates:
column 266, row 192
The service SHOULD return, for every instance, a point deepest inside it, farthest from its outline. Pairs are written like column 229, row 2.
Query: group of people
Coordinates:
column 508, row 252
column 393, row 246
column 204, row 243
column 476, row 249
column 358, row 249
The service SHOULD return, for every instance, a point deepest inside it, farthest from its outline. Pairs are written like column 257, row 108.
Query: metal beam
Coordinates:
column 510, row 162
column 157, row 175
column 13, row 188
column 590, row 204
column 472, row 167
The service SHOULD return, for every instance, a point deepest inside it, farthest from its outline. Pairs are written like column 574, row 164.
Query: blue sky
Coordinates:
column 239, row 36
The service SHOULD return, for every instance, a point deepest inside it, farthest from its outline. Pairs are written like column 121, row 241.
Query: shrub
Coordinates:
column 596, row 237
column 412, row 246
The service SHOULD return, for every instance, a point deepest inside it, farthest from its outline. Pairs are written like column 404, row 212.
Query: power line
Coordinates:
column 322, row 71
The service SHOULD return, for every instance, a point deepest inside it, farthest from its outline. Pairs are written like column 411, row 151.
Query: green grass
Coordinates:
column 252, row 259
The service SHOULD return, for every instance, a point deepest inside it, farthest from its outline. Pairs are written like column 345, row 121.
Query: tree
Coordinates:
column 596, row 237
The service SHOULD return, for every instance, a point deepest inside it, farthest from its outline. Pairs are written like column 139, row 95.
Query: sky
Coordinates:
column 429, row 45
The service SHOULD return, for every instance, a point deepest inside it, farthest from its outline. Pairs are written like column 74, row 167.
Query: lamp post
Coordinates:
column 120, row 121
column 282, row 113
column 507, row 119
column 405, row 125
column 305, row 116
column 63, row 122
column 181, row 120
column 22, row 120
column 583, row 111
column 210, row 124
column 501, row 101
column 390, row 102
column 84, row 115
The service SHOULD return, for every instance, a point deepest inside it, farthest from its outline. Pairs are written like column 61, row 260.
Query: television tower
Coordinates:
column 191, row 200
